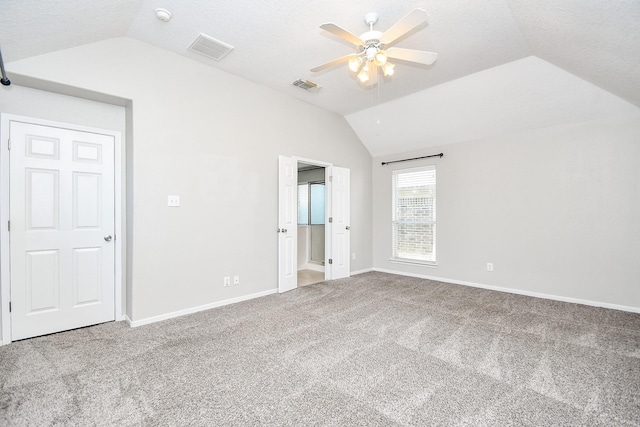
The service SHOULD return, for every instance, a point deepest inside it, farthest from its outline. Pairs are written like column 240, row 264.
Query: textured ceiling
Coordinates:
column 595, row 42
column 526, row 94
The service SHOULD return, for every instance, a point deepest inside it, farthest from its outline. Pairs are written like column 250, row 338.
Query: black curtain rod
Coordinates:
column 413, row 158
column 4, row 80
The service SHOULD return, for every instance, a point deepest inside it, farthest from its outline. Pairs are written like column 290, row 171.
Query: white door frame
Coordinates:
column 120, row 240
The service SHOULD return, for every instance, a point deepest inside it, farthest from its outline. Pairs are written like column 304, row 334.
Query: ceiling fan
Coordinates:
column 374, row 48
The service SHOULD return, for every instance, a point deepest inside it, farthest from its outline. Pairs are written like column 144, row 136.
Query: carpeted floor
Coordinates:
column 375, row 350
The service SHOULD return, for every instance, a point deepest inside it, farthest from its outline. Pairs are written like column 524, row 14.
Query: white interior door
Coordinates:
column 287, row 224
column 62, row 229
column 340, row 212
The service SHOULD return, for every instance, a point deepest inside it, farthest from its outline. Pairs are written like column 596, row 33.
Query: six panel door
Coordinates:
column 62, row 226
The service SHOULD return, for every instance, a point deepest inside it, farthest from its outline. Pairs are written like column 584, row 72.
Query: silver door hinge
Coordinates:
column 330, row 219
column 9, row 306
column 8, row 225
column 331, row 178
column 8, row 144
column 330, row 261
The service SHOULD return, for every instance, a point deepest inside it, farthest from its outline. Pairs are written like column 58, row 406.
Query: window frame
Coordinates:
column 308, row 185
column 298, row 198
column 394, row 221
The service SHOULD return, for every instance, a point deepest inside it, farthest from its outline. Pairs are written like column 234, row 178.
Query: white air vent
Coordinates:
column 210, row 47
column 306, row 85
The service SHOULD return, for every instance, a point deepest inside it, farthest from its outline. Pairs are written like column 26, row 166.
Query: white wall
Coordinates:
column 213, row 139
column 557, row 210
column 24, row 101
column 304, row 232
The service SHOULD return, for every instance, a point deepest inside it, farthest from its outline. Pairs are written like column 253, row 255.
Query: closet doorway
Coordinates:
column 311, row 223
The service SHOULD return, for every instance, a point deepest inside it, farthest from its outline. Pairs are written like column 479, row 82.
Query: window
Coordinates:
column 311, row 203
column 316, row 203
column 303, row 204
column 414, row 215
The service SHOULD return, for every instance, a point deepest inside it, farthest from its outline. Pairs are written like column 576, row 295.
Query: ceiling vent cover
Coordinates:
column 306, row 85
column 208, row 46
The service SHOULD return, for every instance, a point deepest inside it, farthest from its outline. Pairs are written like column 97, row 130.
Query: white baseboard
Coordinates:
column 515, row 291
column 129, row 321
column 159, row 318
column 366, row 270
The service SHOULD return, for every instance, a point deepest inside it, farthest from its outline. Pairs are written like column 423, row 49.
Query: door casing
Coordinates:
column 120, row 240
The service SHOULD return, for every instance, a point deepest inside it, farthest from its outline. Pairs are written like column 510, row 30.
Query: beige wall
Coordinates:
column 556, row 210
column 213, row 139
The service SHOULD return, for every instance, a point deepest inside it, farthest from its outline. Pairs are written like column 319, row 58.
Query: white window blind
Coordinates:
column 414, row 215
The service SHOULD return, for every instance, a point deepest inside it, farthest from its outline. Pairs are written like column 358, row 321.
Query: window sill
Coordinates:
column 413, row 262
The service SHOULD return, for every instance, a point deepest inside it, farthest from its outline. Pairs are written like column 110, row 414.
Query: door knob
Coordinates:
column 348, row 228
column 284, row 230
column 107, row 237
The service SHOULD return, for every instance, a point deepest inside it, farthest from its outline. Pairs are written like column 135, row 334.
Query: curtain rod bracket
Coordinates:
column 4, row 80
column 413, row 158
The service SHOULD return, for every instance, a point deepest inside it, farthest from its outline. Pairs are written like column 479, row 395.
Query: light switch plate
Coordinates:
column 173, row 201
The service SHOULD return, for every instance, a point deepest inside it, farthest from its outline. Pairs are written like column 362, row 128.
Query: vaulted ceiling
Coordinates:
column 503, row 65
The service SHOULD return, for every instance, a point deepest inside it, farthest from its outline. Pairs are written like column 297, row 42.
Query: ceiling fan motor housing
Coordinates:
column 371, row 44
column 371, row 36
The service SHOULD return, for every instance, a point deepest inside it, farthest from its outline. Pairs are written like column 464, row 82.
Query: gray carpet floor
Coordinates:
column 375, row 350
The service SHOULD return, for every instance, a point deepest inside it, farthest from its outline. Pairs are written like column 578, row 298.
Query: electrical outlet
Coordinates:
column 489, row 266
column 236, row 280
column 173, row 201
column 353, row 256
column 227, row 281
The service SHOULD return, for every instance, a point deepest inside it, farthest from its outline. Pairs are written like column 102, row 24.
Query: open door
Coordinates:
column 340, row 248
column 337, row 237
column 287, row 224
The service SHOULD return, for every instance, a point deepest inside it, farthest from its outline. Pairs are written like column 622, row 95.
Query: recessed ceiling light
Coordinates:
column 163, row 15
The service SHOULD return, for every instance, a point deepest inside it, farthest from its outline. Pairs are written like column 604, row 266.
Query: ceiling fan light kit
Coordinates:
column 363, row 75
column 374, row 47
column 355, row 63
column 387, row 69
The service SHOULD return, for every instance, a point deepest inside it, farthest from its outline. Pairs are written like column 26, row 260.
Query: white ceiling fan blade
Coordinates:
column 334, row 62
column 342, row 33
column 411, row 55
column 409, row 22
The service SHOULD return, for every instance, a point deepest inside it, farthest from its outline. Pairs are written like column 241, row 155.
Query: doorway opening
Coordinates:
column 336, row 214
column 311, row 223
